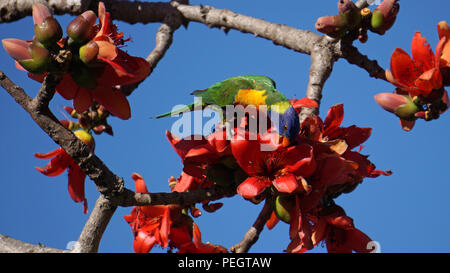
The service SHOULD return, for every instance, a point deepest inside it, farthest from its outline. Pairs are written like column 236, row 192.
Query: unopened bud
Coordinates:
column 87, row 138
column 49, row 32
column 402, row 106
column 40, row 13
column 89, row 52
column 81, row 29
column 40, row 59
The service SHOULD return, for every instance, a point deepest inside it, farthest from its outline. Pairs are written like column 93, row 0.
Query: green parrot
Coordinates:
column 248, row 90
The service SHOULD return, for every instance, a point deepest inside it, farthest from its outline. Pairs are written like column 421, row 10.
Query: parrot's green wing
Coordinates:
column 245, row 90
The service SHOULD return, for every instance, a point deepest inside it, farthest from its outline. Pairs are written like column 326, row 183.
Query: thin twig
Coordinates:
column 252, row 235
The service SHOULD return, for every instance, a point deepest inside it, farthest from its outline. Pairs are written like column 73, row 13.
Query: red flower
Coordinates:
column 62, row 161
column 98, row 71
column 165, row 225
column 197, row 152
column 150, row 224
column 269, row 164
column 339, row 233
column 419, row 75
column 197, row 246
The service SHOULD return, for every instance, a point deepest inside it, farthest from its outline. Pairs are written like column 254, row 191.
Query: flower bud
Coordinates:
column 30, row 56
column 40, row 13
column 402, row 106
column 17, row 49
column 334, row 26
column 212, row 207
column 87, row 138
column 49, row 32
column 346, row 5
column 383, row 17
column 89, row 52
column 109, row 130
column 283, row 207
column 81, row 29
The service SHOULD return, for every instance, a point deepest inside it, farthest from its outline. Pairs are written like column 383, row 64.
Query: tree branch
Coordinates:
column 252, row 235
column 353, row 56
column 10, row 245
column 95, row 226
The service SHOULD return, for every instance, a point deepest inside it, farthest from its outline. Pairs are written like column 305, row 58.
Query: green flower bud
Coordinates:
column 283, row 207
column 89, row 52
column 49, row 32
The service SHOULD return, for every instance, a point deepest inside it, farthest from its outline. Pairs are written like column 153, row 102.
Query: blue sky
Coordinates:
column 406, row 212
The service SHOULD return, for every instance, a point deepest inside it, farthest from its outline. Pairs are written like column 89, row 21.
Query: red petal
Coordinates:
column 67, row 88
column 82, row 100
column 286, row 183
column 113, row 100
column 165, row 228
column 303, row 102
column 407, row 125
column 76, row 183
column 358, row 241
column 422, row 54
column 56, row 166
column 246, row 148
column 429, row 80
column 300, row 160
column 124, row 69
column 139, row 183
column 403, row 68
column 334, row 118
column 50, row 154
column 342, row 222
column 182, row 146
column 253, row 186
column 184, row 183
column 143, row 242
column 355, row 136
column 273, row 221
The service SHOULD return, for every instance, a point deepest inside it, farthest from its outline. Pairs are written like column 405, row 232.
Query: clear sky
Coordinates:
column 406, row 212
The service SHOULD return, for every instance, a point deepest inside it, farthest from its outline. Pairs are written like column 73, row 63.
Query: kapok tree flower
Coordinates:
column 197, row 246
column 278, row 166
column 61, row 161
column 419, row 81
column 97, row 67
column 338, row 231
column 338, row 169
column 165, row 225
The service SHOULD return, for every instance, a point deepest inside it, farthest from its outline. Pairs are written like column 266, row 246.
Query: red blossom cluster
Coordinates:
column 96, row 68
column 300, row 180
column 165, row 225
column 420, row 80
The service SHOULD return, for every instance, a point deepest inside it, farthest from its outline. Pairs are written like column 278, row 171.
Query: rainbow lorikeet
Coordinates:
column 249, row 90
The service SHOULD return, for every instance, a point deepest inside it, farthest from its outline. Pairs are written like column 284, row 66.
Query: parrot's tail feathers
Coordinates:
column 178, row 111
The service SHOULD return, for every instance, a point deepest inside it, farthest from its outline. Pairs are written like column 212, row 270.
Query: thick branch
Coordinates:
column 353, row 56
column 322, row 60
column 94, row 228
column 252, row 235
column 10, row 245
column 289, row 37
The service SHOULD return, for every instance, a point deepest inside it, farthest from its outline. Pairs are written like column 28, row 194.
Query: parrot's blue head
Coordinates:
column 288, row 123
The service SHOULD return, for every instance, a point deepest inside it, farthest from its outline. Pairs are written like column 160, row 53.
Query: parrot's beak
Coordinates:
column 284, row 141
